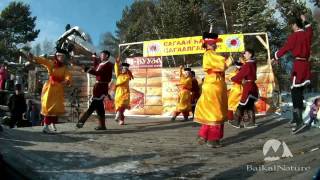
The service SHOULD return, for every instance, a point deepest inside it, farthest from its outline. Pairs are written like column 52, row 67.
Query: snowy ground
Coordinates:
column 149, row 148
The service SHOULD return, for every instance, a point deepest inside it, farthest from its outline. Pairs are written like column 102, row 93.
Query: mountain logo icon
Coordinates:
column 274, row 145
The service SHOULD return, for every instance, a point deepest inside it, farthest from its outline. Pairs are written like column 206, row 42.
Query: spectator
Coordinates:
column 3, row 77
column 33, row 113
column 17, row 107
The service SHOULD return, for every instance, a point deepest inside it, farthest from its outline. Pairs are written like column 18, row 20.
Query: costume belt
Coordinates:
column 301, row 59
column 102, row 82
column 212, row 71
column 55, row 79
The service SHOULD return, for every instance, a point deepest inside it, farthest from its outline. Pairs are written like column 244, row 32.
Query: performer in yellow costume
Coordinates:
column 122, row 96
column 52, row 96
column 184, row 96
column 235, row 92
column 212, row 106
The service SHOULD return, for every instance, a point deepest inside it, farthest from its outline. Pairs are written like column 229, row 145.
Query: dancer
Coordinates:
column 122, row 96
column 195, row 92
column 102, row 69
column 235, row 92
column 184, row 96
column 52, row 96
column 247, row 77
column 212, row 106
column 314, row 109
column 299, row 44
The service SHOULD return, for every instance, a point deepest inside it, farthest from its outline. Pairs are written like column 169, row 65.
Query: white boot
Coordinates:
column 46, row 129
column 117, row 116
column 53, row 127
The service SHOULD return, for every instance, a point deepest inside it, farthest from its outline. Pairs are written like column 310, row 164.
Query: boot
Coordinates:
column 116, row 118
column 201, row 140
column 236, row 122
column 53, row 127
column 82, row 120
column 121, row 122
column 173, row 118
column 1, row 129
column 185, row 118
column 293, row 121
column 214, row 144
column 300, row 125
column 102, row 125
column 46, row 129
column 252, row 120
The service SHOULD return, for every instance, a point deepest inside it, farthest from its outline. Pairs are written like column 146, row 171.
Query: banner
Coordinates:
column 191, row 45
column 146, row 87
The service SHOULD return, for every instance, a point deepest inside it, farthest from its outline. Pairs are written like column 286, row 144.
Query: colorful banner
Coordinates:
column 145, row 62
column 191, row 45
column 146, row 87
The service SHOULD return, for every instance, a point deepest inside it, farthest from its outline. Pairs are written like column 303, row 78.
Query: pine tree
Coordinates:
column 17, row 26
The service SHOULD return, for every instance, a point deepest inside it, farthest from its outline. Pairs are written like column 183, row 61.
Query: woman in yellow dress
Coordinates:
column 235, row 92
column 122, row 95
column 184, row 105
column 212, row 106
column 52, row 96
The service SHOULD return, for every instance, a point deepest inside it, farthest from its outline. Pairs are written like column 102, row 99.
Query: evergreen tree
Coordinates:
column 17, row 26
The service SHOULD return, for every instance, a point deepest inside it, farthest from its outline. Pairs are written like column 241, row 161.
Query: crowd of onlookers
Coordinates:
column 23, row 113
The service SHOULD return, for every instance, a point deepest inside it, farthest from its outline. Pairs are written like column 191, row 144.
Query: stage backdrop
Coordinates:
column 154, row 91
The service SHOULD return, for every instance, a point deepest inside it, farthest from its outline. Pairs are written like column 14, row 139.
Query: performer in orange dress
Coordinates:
column 52, row 96
column 212, row 106
column 234, row 94
column 184, row 96
column 122, row 96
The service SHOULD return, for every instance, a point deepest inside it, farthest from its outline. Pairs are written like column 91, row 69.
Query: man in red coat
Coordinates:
column 247, row 76
column 299, row 44
column 103, row 71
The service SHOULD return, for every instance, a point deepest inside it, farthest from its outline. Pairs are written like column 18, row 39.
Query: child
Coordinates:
column 122, row 97
column 17, row 106
column 314, row 108
column 33, row 114
column 184, row 99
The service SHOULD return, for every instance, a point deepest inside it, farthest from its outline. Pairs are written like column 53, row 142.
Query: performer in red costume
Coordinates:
column 299, row 44
column 102, row 69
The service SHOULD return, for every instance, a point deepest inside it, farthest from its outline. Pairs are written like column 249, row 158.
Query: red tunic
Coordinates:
column 195, row 91
column 248, row 75
column 299, row 44
column 103, row 73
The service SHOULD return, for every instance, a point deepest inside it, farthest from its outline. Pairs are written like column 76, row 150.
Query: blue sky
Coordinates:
column 93, row 16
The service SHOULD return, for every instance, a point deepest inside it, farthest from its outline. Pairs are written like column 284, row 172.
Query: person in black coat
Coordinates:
column 17, row 106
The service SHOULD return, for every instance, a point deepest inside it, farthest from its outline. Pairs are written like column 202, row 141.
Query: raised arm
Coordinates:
column 117, row 67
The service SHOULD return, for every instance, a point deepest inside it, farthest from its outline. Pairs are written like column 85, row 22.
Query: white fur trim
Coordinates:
column 250, row 96
column 299, row 85
column 275, row 55
column 299, row 30
column 98, row 98
column 308, row 25
column 101, row 64
column 58, row 53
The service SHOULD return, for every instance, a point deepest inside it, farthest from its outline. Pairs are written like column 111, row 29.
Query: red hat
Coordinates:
column 210, row 38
